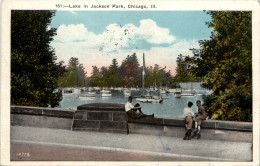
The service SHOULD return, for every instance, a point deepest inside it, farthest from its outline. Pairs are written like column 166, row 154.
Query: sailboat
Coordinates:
column 189, row 92
column 127, row 93
column 147, row 98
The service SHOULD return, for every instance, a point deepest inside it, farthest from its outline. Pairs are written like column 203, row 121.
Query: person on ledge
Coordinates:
column 135, row 112
column 188, row 114
column 201, row 116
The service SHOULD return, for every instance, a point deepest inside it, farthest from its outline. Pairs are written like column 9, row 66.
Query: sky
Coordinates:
column 97, row 37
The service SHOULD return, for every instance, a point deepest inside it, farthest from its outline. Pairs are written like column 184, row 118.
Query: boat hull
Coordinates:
column 145, row 100
column 106, row 95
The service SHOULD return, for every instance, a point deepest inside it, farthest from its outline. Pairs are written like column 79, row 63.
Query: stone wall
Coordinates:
column 41, row 117
column 210, row 129
column 108, row 117
column 102, row 117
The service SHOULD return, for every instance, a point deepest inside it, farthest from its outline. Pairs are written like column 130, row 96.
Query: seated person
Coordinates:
column 188, row 114
column 135, row 112
column 200, row 116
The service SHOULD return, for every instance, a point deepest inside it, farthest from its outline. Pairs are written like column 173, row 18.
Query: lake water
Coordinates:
column 171, row 107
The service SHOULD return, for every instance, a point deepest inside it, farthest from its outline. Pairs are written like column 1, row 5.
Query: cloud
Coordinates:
column 115, row 36
column 154, row 34
column 73, row 12
column 48, row 28
column 73, row 33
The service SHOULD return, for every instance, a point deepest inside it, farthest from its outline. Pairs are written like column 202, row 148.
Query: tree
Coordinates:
column 130, row 71
column 75, row 75
column 96, row 78
column 113, row 74
column 157, row 76
column 181, row 73
column 34, row 72
column 226, row 65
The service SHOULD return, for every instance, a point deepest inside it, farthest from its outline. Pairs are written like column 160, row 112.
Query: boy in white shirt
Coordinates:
column 131, row 110
column 188, row 114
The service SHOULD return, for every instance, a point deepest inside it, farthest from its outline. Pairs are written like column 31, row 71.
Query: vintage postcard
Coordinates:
column 97, row 82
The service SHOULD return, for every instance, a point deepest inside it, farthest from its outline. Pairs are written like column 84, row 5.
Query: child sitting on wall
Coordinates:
column 188, row 114
column 135, row 112
column 201, row 116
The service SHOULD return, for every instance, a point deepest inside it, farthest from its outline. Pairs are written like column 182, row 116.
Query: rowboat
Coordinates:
column 127, row 93
column 106, row 93
column 149, row 99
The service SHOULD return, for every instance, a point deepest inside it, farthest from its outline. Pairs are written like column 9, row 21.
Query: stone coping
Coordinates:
column 161, row 121
column 207, row 124
column 41, row 111
column 102, row 107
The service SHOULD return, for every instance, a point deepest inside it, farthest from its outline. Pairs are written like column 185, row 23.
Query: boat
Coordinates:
column 177, row 94
column 187, row 94
column 86, row 97
column 96, row 88
column 148, row 98
column 106, row 93
column 91, row 93
column 127, row 93
column 77, row 90
column 67, row 91
column 83, row 90
column 162, row 91
column 172, row 90
column 118, row 89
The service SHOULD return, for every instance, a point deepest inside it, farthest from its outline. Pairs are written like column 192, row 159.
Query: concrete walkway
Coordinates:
column 150, row 146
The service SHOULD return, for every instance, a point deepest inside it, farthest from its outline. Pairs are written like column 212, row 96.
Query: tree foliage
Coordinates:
column 226, row 65
column 128, row 74
column 34, row 72
column 130, row 71
column 185, row 65
column 157, row 76
column 74, row 76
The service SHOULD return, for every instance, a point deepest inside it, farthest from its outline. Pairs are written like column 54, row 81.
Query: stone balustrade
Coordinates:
column 110, row 117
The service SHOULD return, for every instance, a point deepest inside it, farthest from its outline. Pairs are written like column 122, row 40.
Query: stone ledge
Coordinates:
column 102, row 107
column 39, row 111
column 174, row 122
column 207, row 124
column 175, row 131
column 147, row 120
column 26, row 110
column 58, row 113
column 41, row 121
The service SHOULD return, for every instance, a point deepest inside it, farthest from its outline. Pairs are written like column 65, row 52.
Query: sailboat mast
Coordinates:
column 143, row 73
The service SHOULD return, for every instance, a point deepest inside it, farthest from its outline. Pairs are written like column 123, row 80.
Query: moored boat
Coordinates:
column 127, row 93
column 177, row 94
column 162, row 91
column 86, row 97
column 187, row 94
column 67, row 91
column 149, row 99
column 106, row 93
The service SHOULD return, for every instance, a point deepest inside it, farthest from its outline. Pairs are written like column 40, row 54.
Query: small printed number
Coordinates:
column 23, row 154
